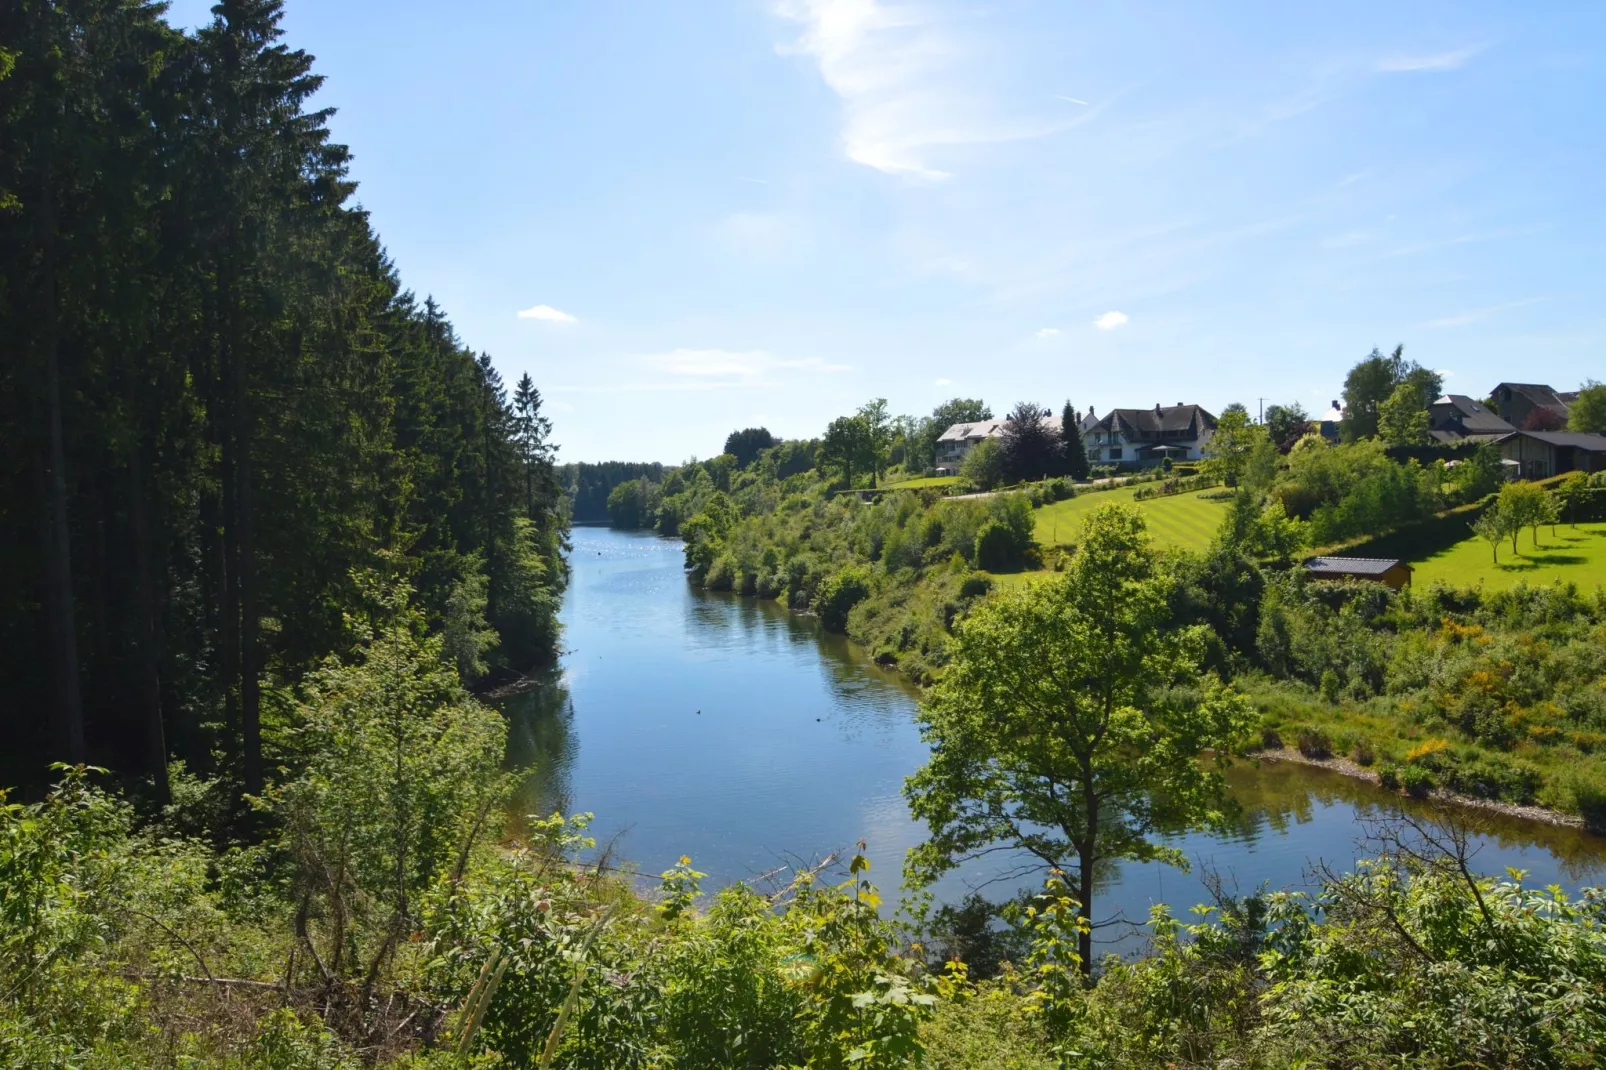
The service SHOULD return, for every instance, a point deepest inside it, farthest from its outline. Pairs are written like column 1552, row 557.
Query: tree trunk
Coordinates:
column 59, row 611
column 1086, row 857
column 245, row 569
column 150, row 680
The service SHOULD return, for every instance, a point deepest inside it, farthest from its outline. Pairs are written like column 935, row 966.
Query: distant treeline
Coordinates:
column 588, row 485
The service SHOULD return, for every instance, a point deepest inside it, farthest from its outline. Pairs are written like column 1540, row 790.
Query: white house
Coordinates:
column 1142, row 438
column 954, row 443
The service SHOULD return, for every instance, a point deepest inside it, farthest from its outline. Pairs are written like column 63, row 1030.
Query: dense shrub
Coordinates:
column 995, row 548
column 1313, row 743
column 838, row 595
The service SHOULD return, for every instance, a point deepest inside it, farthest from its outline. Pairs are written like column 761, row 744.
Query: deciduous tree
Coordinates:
column 1072, row 724
column 1372, row 381
column 846, row 449
column 1588, row 410
column 1402, row 420
column 1029, row 447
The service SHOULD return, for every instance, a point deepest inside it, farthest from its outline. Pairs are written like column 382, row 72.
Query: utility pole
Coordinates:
column 1262, row 402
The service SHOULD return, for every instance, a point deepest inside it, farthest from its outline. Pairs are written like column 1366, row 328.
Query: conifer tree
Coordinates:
column 1075, row 453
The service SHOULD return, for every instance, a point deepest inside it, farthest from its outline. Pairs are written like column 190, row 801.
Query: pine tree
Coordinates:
column 1075, row 453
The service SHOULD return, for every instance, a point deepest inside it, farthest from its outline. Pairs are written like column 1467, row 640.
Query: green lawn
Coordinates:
column 922, row 481
column 1184, row 521
column 1574, row 555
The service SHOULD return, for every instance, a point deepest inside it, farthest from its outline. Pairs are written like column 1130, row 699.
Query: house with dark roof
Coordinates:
column 1143, row 438
column 1541, row 454
column 1531, row 406
column 1388, row 570
column 1456, row 418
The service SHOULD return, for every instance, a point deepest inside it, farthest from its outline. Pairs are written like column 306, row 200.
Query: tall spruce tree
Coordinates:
column 1073, row 459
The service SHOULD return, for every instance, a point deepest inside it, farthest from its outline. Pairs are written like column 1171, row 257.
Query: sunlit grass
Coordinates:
column 1564, row 554
column 1180, row 521
column 923, row 481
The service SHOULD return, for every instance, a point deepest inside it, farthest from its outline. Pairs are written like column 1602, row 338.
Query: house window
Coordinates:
column 1115, row 453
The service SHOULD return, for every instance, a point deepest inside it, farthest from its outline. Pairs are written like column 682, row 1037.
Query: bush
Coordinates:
column 1363, row 754
column 1389, row 777
column 838, row 595
column 1494, row 777
column 995, row 547
column 721, row 575
column 1313, row 743
column 1269, row 739
column 1330, row 685
column 1589, row 798
column 1417, row 781
column 975, row 586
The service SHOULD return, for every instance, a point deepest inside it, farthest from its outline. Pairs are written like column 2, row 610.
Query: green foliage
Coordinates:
column 1524, row 505
column 249, row 404
column 1373, row 381
column 1073, row 451
column 399, row 777
column 848, row 448
column 1402, row 419
column 633, row 503
column 995, row 548
column 1286, row 423
column 983, row 467
column 1352, row 490
column 839, row 594
column 745, row 445
column 1070, row 722
column 1587, row 411
column 465, row 637
column 1230, row 446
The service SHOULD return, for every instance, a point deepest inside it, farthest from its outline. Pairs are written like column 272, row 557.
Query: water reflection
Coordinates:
column 542, row 745
column 733, row 731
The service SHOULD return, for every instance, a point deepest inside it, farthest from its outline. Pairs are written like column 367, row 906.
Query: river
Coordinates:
column 729, row 730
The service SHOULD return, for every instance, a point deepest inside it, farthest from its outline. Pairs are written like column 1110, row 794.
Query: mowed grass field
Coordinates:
column 1570, row 555
column 922, row 481
column 1184, row 521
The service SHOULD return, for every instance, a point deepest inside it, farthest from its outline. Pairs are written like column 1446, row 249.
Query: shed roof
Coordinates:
column 1355, row 566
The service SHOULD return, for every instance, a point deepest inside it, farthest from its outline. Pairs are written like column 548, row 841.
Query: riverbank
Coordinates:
column 1348, row 767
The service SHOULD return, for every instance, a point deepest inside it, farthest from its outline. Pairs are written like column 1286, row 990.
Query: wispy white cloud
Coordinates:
column 1110, row 320
column 1441, row 61
column 1476, row 315
column 546, row 313
column 943, row 382
column 1073, row 100
column 900, row 71
column 1048, row 332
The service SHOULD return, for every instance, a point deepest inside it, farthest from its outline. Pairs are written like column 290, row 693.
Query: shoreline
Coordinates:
column 1346, row 767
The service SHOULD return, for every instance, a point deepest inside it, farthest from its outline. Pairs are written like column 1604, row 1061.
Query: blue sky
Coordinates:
column 683, row 218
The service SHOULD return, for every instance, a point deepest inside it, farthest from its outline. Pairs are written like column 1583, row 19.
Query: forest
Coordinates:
column 223, row 411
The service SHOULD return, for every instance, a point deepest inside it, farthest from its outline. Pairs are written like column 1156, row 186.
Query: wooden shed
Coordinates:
column 1389, row 570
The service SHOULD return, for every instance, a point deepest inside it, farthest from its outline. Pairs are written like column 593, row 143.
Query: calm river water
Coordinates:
column 732, row 731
